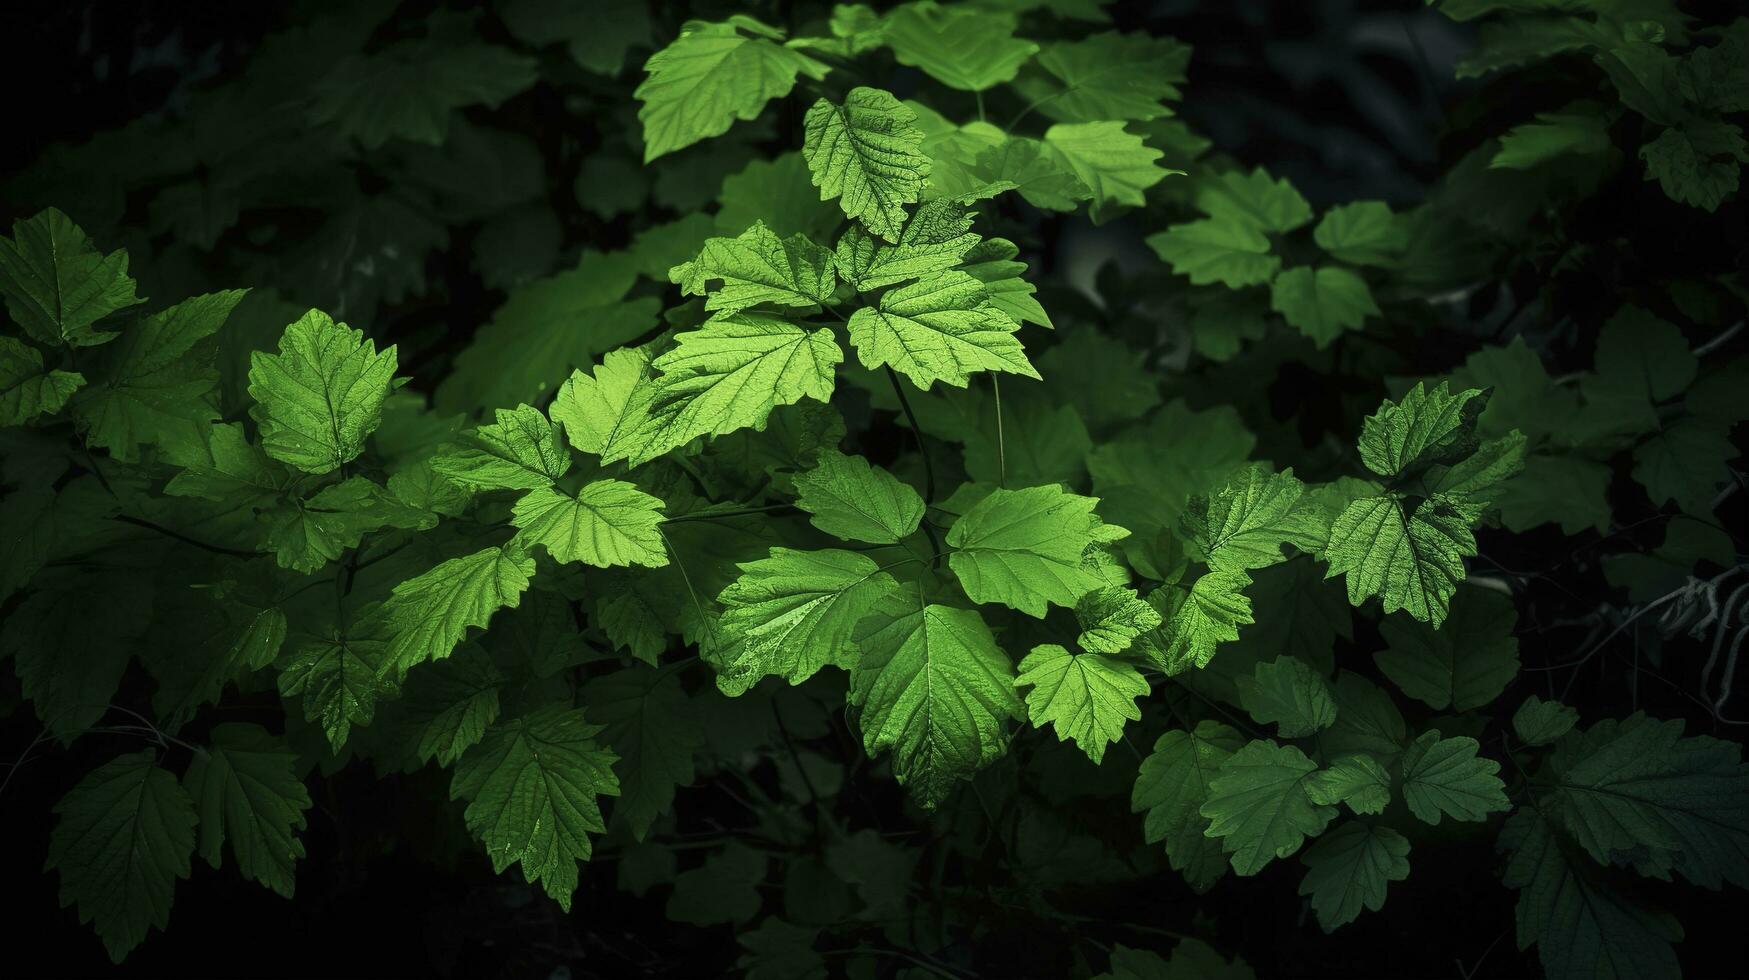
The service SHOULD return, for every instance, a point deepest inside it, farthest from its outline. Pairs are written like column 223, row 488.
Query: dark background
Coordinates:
column 1347, row 99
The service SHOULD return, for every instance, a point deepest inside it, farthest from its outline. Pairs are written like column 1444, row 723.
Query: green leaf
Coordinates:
column 1358, row 780
column 1114, row 164
column 711, row 75
column 1413, row 562
column 339, row 676
column 1289, row 693
column 778, row 192
column 601, row 413
column 124, row 836
column 246, row 789
column 156, row 379
column 1581, row 130
column 724, row 890
column 847, row 498
column 70, row 662
column 758, row 267
column 1192, row 959
column 1107, row 76
column 520, row 451
column 866, row 153
column 1539, row 722
column 1636, row 789
column 936, row 238
column 1243, row 524
column 26, row 389
column 1697, row 162
column 1112, row 618
column 1464, row 664
column 230, row 468
column 452, row 702
column 1348, row 869
column 793, row 612
column 1686, row 463
column 1444, row 776
column 962, row 47
column 1254, row 200
column 58, row 285
column 1042, row 176
column 1323, row 303
column 322, row 395
column 730, row 374
column 1228, row 252
column 607, row 523
column 1196, row 620
column 430, row 613
column 597, row 37
column 649, row 723
column 943, row 328
column 1567, row 490
column 410, row 90
column 1258, row 805
column 307, row 534
column 1422, row 428
column 932, row 687
column 1367, row 721
column 1582, row 927
column 532, row 786
column 1363, row 233
column 1024, row 548
column 992, row 263
column 1172, row 784
column 1085, row 696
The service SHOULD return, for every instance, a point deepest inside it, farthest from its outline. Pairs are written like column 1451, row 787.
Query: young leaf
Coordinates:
column 1289, row 693
column 1444, row 776
column 306, row 534
column 758, row 267
column 411, row 89
column 1413, row 562
column 1423, row 428
column 1243, row 524
column 1172, row 784
column 711, row 75
column 1114, row 164
column 1464, row 664
column 936, row 238
column 1086, row 696
column 1253, row 199
column 606, row 523
column 532, row 786
column 1362, row 233
column 962, row 47
column 58, row 285
column 321, row 395
column 1258, row 805
column 26, row 389
column 1539, row 722
column 430, row 613
column 1322, row 303
column 1023, row 548
column 602, row 412
column 1196, row 620
column 648, row 722
column 339, row 676
column 793, row 612
column 847, row 498
column 246, row 789
column 124, row 836
column 943, row 328
column 520, row 451
column 452, row 702
column 932, row 687
column 1108, row 76
column 1348, row 869
column 1112, row 618
column 1358, row 780
column 1228, row 252
column 865, row 153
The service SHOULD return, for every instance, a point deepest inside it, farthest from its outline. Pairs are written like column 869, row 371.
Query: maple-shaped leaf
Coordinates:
column 246, row 788
column 1107, row 76
column 936, row 238
column 520, row 451
column 307, row 534
column 1172, row 785
column 934, row 689
column 156, row 383
column 430, row 613
column 1112, row 618
column 532, row 786
column 598, row 37
column 58, row 285
column 27, row 388
column 1232, row 253
column 1114, row 164
column 793, row 612
column 1422, row 428
column 1357, row 779
column 649, row 723
column 606, row 523
column 1444, row 776
column 1087, row 697
column 124, row 835
column 1289, row 693
column 1259, row 807
column 72, row 692
column 1196, row 620
column 1322, row 303
column 962, row 47
column 758, row 267
column 1253, row 199
column 1412, row 560
column 865, row 152
column 943, row 328
column 601, row 412
column 1697, row 162
column 451, row 703
column 1363, row 233
column 1347, row 870
column 1033, row 169
column 339, row 675
column 1244, row 523
column 992, row 263
column 322, row 395
column 1367, row 721
column 1024, row 548
column 227, row 467
column 1539, row 722
column 848, row 498
column 729, row 375
column 411, row 89
column 1579, row 129
column 712, row 75
column 1465, row 663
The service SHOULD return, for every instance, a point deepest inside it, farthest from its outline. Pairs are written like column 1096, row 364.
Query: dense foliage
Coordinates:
column 816, row 544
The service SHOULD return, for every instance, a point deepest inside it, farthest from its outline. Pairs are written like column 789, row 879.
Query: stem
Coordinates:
column 185, row 539
column 725, row 514
column 1001, row 445
column 928, row 464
